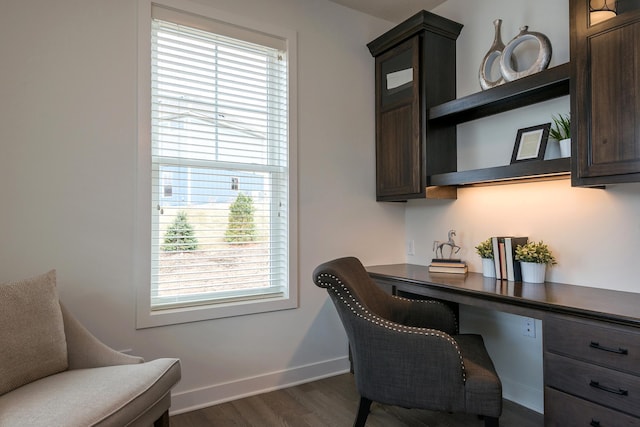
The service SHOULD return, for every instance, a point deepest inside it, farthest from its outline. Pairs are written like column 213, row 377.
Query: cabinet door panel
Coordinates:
column 398, row 153
column 399, row 166
column 615, row 102
column 605, row 96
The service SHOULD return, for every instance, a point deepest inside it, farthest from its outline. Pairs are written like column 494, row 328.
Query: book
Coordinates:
column 514, row 272
column 496, row 256
column 450, row 270
column 460, row 264
column 447, row 260
column 503, row 259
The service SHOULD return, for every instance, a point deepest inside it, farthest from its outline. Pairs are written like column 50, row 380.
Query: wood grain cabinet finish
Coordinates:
column 605, row 95
column 565, row 410
column 398, row 142
column 415, row 70
column 591, row 368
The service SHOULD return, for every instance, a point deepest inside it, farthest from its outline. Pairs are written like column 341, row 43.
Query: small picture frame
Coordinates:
column 531, row 143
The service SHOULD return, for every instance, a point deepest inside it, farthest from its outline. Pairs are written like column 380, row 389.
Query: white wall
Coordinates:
column 593, row 233
column 67, row 161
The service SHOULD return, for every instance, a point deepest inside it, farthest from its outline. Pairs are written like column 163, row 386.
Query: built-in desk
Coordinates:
column 591, row 338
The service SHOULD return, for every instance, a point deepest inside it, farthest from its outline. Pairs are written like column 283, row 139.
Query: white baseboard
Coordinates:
column 191, row 400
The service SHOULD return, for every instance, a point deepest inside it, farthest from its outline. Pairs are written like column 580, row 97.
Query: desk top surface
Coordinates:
column 617, row 306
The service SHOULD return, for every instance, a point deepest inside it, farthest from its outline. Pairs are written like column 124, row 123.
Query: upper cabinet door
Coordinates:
column 398, row 143
column 605, row 91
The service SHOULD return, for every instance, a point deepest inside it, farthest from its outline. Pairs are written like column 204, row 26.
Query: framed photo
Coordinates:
column 531, row 143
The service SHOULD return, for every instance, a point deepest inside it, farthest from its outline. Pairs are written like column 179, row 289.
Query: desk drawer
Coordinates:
column 608, row 387
column 563, row 410
column 601, row 343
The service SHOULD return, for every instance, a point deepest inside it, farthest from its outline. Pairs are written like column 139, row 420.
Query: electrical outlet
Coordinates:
column 529, row 327
column 411, row 247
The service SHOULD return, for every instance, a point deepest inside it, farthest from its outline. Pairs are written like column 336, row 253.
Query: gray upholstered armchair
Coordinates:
column 408, row 352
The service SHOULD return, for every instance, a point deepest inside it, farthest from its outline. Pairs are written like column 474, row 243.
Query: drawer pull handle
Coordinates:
column 618, row 350
column 594, row 423
column 596, row 384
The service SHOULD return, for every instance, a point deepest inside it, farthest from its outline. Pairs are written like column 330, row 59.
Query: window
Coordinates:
column 220, row 217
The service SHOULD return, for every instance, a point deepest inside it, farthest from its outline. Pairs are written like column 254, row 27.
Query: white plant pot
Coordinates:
column 565, row 147
column 533, row 272
column 488, row 268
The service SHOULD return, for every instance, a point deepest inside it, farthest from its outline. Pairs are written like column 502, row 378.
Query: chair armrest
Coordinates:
column 85, row 351
column 405, row 366
column 424, row 314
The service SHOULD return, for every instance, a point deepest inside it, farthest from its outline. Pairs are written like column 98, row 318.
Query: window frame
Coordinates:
column 145, row 316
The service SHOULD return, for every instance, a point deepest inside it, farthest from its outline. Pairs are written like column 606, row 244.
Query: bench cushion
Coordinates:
column 31, row 331
column 107, row 396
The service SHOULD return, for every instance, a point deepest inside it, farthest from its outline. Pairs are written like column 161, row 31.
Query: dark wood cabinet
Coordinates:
column 592, row 373
column 416, row 118
column 398, row 140
column 605, row 94
column 417, row 112
column 415, row 70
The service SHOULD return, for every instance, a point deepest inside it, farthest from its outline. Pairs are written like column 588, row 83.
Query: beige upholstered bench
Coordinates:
column 54, row 372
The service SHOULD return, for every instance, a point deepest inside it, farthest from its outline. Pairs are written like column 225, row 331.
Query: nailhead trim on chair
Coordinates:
column 362, row 312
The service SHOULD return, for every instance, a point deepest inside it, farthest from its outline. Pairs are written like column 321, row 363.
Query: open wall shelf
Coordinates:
column 547, row 84
column 542, row 86
column 525, row 171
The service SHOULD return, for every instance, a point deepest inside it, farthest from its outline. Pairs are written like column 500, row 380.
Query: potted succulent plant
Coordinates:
column 534, row 258
column 485, row 250
column 561, row 131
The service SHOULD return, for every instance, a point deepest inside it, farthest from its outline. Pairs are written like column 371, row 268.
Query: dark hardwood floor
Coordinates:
column 333, row 402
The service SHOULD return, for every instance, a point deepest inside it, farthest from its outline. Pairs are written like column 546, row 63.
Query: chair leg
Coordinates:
column 363, row 412
column 163, row 421
column 491, row 422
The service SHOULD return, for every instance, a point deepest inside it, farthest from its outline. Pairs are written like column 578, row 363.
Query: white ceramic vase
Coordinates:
column 533, row 272
column 565, row 147
column 488, row 268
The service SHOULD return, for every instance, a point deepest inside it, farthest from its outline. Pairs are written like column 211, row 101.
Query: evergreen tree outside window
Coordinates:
column 241, row 228
column 180, row 236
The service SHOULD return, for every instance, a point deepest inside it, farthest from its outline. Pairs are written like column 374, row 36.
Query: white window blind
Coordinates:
column 219, row 143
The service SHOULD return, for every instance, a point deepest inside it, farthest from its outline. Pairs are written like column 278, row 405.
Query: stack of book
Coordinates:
column 504, row 257
column 451, row 266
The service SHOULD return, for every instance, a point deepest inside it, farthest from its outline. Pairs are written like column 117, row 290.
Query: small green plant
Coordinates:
column 180, row 235
column 535, row 252
column 485, row 249
column 241, row 226
column 561, row 128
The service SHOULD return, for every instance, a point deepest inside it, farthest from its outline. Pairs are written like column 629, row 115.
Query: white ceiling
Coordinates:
column 390, row 10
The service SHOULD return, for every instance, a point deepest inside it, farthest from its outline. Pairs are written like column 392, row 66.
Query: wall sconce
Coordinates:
column 601, row 10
